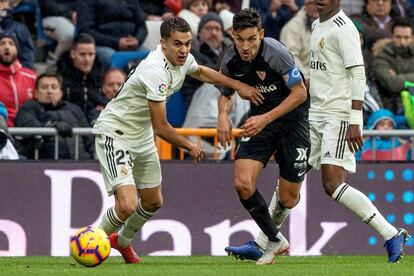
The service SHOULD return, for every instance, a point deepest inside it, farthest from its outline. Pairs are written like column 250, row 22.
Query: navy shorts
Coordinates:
column 288, row 140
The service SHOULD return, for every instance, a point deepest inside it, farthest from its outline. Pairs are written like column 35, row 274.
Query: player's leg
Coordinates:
column 147, row 175
column 246, row 173
column 115, row 216
column 292, row 157
column 334, row 170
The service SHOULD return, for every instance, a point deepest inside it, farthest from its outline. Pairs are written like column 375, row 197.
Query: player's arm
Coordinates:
column 165, row 131
column 224, row 126
column 358, row 82
column 245, row 91
column 298, row 94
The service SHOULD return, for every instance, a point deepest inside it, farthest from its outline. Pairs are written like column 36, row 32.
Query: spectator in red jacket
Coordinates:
column 17, row 83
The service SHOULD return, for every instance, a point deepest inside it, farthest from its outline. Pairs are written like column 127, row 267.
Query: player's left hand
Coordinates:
column 253, row 126
column 247, row 92
column 354, row 138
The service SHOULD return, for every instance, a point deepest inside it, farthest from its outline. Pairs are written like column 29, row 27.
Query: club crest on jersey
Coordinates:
column 261, row 74
column 163, row 88
column 321, row 43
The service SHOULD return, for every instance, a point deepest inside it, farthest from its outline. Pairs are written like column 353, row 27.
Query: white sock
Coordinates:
column 110, row 222
column 276, row 211
column 360, row 204
column 133, row 224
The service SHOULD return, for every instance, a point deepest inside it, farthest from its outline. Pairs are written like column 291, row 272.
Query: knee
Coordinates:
column 330, row 185
column 153, row 205
column 244, row 188
column 126, row 208
column 290, row 200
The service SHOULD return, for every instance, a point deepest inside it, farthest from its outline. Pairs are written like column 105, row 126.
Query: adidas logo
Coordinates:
column 327, row 154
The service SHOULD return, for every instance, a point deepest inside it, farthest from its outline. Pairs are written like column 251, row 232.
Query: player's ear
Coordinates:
column 261, row 33
column 163, row 43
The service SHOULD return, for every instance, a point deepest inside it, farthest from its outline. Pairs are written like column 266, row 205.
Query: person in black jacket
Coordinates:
column 82, row 74
column 115, row 25
column 59, row 19
column 49, row 110
column 20, row 31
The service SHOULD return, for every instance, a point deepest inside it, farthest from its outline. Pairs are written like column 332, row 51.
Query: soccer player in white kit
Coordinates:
column 337, row 84
column 125, row 131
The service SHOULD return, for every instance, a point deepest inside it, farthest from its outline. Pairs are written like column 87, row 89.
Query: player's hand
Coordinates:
column 253, row 126
column 247, row 92
column 196, row 152
column 224, row 130
column 354, row 138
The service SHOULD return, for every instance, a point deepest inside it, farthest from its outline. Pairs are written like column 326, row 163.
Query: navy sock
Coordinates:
column 258, row 210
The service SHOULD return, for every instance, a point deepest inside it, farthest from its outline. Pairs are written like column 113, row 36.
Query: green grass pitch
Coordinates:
column 206, row 265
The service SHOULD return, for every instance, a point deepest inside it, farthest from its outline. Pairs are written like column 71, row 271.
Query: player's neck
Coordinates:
column 325, row 17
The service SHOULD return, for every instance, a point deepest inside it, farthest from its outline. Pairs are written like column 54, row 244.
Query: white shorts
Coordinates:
column 328, row 145
column 122, row 166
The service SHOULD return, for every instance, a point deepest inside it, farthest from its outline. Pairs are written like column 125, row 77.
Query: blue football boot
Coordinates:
column 395, row 245
column 250, row 250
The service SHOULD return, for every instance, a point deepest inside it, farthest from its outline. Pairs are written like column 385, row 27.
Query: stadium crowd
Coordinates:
column 61, row 61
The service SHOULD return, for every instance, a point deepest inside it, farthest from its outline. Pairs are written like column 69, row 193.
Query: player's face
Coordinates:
column 112, row 82
column 379, row 8
column 212, row 34
column 48, row 91
column 8, row 51
column 177, row 47
column 199, row 7
column 402, row 36
column 248, row 42
column 327, row 8
column 83, row 56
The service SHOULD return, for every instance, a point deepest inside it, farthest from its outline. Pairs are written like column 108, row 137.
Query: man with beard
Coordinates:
column 394, row 65
column 17, row 83
column 20, row 31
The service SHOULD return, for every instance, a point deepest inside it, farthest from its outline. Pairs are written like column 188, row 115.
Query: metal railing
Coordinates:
column 165, row 148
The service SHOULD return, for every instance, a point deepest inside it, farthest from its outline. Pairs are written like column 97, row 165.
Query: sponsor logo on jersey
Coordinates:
column 163, row 88
column 266, row 88
column 261, row 74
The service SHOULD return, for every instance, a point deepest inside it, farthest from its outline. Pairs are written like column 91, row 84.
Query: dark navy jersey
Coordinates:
column 271, row 72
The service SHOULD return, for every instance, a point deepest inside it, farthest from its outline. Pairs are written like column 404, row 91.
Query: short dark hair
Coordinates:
column 110, row 71
column 83, row 38
column 400, row 22
column 48, row 75
column 172, row 25
column 247, row 18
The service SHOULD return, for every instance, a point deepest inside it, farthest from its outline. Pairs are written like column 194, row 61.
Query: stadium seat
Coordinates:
column 121, row 58
column 176, row 109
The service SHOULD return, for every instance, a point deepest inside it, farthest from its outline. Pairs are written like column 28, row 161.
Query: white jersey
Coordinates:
column 127, row 116
column 335, row 46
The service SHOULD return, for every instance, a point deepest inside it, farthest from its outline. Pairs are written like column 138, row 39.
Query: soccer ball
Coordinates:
column 90, row 246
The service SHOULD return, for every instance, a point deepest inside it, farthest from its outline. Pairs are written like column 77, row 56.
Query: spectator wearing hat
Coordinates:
column 193, row 11
column 115, row 25
column 208, row 50
column 23, row 37
column 383, row 148
column 17, row 83
column 7, row 150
